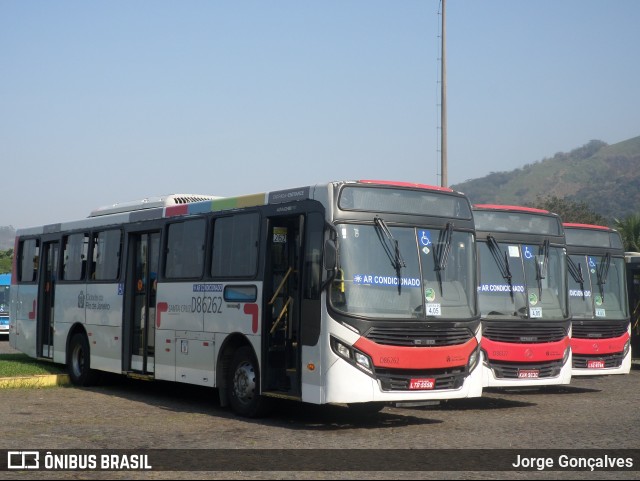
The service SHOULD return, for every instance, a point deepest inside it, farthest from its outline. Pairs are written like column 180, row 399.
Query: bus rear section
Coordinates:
column 601, row 327
column 5, row 283
column 522, row 294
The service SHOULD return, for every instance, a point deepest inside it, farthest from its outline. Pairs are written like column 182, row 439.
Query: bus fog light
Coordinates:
column 343, row 350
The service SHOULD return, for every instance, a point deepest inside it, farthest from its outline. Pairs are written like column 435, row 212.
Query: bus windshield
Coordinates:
column 597, row 287
column 521, row 281
column 404, row 272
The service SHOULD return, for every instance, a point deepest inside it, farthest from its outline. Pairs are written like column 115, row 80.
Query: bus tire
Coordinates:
column 79, row 361
column 244, row 385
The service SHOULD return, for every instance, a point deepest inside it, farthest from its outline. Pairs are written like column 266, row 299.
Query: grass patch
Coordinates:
column 14, row 365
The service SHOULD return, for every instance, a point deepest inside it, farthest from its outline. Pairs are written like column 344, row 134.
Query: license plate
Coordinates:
column 528, row 373
column 595, row 364
column 422, row 384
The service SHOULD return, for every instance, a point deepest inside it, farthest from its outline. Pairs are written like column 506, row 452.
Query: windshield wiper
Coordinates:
column 576, row 272
column 602, row 272
column 443, row 248
column 502, row 263
column 391, row 247
column 441, row 252
column 541, row 269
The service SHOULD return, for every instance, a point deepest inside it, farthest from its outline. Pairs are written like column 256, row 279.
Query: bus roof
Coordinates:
column 187, row 204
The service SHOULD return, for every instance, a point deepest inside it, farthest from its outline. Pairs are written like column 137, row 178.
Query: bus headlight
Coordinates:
column 363, row 360
column 567, row 351
column 625, row 351
column 474, row 358
column 355, row 357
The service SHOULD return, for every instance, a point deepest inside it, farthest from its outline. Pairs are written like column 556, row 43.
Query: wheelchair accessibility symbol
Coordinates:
column 425, row 238
column 526, row 252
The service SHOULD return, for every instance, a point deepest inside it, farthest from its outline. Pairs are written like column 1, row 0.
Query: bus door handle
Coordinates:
column 282, row 313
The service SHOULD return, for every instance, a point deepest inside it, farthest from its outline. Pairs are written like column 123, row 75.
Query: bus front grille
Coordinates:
column 510, row 370
column 526, row 334
column 610, row 360
column 599, row 330
column 393, row 336
column 399, row 379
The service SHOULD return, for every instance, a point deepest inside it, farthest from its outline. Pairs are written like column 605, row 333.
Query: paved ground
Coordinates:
column 592, row 413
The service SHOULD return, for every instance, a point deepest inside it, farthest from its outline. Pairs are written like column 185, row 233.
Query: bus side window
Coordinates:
column 75, row 255
column 30, row 255
column 107, row 246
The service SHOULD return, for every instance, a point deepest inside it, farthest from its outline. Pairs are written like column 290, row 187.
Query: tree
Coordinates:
column 570, row 211
column 629, row 229
column 5, row 261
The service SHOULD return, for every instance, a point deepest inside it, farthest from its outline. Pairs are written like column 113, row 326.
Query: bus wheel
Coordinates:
column 244, row 385
column 78, row 363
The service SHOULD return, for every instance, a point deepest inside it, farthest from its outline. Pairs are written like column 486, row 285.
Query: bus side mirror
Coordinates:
column 330, row 255
column 330, row 262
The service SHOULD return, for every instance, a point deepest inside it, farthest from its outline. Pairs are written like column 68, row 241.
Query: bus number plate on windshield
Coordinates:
column 595, row 364
column 433, row 309
column 535, row 312
column 528, row 373
column 422, row 384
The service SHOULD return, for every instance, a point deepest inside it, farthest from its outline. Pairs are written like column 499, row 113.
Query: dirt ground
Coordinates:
column 599, row 413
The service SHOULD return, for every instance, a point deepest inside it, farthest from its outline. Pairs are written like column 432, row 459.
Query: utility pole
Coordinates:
column 443, row 104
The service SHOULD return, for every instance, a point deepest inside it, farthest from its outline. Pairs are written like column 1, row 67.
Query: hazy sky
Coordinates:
column 108, row 101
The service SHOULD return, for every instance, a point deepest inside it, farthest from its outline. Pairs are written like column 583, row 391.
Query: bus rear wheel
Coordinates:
column 79, row 361
column 244, row 385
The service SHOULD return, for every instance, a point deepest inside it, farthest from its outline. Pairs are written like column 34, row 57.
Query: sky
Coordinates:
column 114, row 101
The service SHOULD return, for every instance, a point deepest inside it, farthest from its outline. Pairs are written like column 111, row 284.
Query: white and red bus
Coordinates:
column 522, row 294
column 601, row 326
column 358, row 292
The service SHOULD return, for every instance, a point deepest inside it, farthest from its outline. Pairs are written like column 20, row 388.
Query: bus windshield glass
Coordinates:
column 597, row 287
column 404, row 272
column 416, row 202
column 517, row 222
column 521, row 281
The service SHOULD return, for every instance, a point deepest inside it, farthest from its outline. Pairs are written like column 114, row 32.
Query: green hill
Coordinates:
column 604, row 177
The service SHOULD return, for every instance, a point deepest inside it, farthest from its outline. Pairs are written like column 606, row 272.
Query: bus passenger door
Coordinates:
column 46, row 298
column 282, row 310
column 140, row 302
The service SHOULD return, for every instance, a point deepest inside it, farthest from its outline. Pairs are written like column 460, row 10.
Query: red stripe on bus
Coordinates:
column 525, row 352
column 160, row 308
column 586, row 226
column 252, row 310
column 599, row 346
column 174, row 210
column 401, row 357
column 407, row 184
column 510, row 207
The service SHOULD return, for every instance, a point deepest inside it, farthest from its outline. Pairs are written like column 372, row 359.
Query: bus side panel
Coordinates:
column 226, row 311
column 69, row 310
column 311, row 373
column 179, row 306
column 24, row 338
column 165, row 355
column 103, row 304
column 179, row 312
